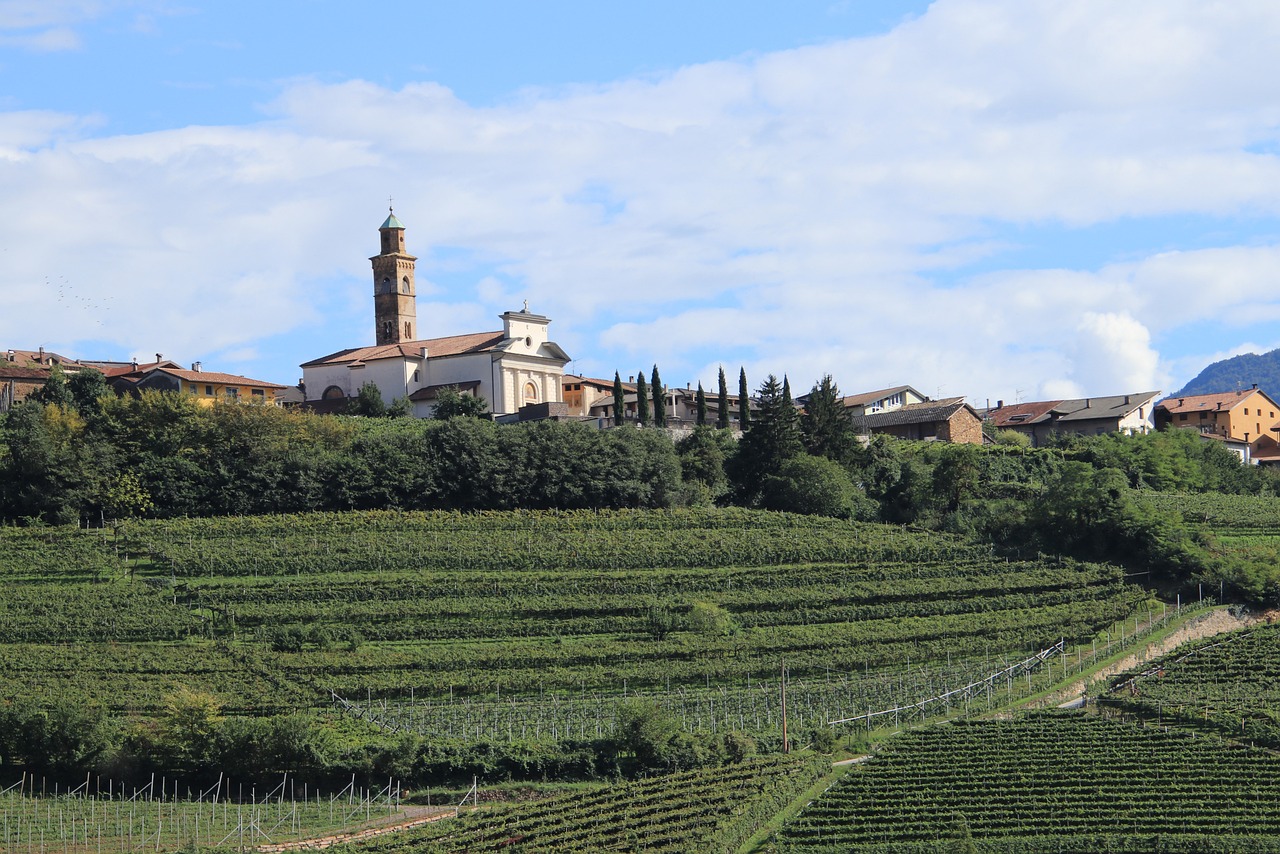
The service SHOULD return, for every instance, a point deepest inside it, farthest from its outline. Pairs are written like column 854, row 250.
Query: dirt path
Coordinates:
column 1213, row 623
column 409, row 817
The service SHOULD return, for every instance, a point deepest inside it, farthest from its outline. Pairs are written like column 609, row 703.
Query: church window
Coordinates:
column 333, row 393
column 408, row 331
column 386, row 285
column 404, row 285
column 530, row 393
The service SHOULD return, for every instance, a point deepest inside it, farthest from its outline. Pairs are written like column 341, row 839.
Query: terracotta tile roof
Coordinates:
column 476, row 342
column 117, row 369
column 1206, row 402
column 11, row 371
column 1019, row 414
column 34, row 357
column 217, row 378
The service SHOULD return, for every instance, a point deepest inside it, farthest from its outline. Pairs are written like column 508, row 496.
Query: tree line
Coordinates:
column 76, row 453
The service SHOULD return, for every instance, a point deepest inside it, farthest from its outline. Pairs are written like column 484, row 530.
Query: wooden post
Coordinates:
column 786, row 746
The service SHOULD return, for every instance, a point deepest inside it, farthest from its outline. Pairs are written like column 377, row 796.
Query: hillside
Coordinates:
column 1238, row 372
column 510, row 642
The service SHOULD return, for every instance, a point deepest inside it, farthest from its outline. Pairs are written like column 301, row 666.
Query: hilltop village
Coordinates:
column 516, row 373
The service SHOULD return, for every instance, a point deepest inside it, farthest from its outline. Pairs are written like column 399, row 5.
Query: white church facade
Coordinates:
column 511, row 368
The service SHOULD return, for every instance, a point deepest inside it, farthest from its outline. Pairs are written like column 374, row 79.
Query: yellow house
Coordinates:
column 206, row 386
column 1247, row 415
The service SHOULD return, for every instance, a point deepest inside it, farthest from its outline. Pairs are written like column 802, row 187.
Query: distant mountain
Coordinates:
column 1238, row 372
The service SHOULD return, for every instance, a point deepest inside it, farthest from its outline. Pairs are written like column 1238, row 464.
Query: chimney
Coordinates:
column 1255, row 386
column 135, row 364
column 41, row 354
column 999, row 404
column 1181, row 400
column 1126, row 400
column 631, row 378
column 1088, row 403
column 159, row 357
column 195, row 366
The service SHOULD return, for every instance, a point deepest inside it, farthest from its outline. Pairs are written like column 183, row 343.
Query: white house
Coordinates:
column 513, row 367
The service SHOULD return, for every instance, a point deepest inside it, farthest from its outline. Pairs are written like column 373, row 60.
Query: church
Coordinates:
column 514, row 368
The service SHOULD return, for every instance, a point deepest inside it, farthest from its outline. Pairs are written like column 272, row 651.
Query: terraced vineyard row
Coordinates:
column 1234, row 513
column 1231, row 685
column 1049, row 782
column 712, row 810
column 385, row 541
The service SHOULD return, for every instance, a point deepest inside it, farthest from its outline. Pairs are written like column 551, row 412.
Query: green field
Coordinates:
column 510, row 614
column 1048, row 783
column 1229, row 685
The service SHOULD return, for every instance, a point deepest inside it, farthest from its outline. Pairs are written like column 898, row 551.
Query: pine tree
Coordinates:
column 722, row 416
column 774, row 438
column 642, row 400
column 744, row 401
column 619, row 400
column 701, row 401
column 659, row 400
column 825, row 426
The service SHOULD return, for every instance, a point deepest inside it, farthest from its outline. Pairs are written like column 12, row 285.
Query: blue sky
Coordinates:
column 1002, row 199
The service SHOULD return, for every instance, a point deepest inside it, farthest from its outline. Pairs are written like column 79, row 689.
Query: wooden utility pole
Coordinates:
column 786, row 745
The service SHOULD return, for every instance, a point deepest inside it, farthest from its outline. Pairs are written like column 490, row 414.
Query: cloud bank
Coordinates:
column 888, row 209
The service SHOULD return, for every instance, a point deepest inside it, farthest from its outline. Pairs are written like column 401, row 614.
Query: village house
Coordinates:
column 1085, row 416
column 516, row 369
column 947, row 420
column 881, row 400
column 582, row 393
column 206, row 387
column 1247, row 415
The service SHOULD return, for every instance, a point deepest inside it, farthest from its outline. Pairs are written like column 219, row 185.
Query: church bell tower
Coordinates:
column 394, row 300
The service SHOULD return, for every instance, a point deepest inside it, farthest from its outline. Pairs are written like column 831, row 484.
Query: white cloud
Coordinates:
column 44, row 41
column 803, row 210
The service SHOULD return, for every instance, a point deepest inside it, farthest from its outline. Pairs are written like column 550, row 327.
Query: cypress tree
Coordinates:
column 659, row 400
column 722, row 417
column 744, row 401
column 619, row 400
column 702, row 406
column 642, row 401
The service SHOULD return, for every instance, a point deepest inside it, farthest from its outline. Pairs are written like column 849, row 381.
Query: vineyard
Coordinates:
column 1047, row 783
column 102, row 816
column 711, row 810
column 512, row 626
column 1229, row 685
column 1230, row 515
